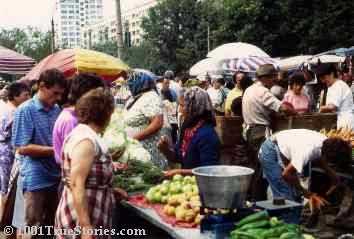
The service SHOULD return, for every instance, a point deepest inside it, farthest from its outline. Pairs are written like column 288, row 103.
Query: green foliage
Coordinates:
column 30, row 41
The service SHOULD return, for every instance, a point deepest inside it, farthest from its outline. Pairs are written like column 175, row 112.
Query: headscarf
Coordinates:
column 197, row 102
column 140, row 81
column 199, row 109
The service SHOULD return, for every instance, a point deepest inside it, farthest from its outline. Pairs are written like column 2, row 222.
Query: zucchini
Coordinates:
column 263, row 215
column 253, row 225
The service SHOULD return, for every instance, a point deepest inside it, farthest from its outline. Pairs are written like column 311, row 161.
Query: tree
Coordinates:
column 30, row 41
column 171, row 27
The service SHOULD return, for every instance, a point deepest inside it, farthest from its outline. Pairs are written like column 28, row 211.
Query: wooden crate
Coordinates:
column 229, row 129
column 311, row 121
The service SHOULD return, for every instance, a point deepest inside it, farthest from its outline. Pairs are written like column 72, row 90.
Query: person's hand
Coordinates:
column 316, row 202
column 173, row 172
column 163, row 144
column 119, row 166
column 120, row 194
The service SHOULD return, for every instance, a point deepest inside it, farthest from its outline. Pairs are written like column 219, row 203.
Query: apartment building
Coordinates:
column 107, row 29
column 71, row 17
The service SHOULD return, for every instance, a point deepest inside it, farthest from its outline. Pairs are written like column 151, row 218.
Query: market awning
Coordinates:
column 14, row 63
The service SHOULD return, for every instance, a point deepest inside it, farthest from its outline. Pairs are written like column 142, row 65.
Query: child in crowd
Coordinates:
column 295, row 95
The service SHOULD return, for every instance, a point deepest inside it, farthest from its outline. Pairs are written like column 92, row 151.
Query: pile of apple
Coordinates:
column 180, row 196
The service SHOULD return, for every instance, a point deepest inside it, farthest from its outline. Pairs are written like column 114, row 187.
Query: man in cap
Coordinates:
column 258, row 104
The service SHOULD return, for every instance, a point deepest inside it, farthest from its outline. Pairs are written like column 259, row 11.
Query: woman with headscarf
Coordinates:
column 198, row 144
column 143, row 115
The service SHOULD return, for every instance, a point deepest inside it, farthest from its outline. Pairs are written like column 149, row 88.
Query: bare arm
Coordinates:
column 36, row 151
column 288, row 110
column 155, row 125
column 330, row 108
column 290, row 176
column 164, row 147
column 82, row 158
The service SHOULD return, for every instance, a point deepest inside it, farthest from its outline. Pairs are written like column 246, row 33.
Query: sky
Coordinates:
column 37, row 13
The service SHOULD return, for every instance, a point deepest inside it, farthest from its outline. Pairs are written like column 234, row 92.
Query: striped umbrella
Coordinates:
column 247, row 64
column 14, row 63
column 73, row 61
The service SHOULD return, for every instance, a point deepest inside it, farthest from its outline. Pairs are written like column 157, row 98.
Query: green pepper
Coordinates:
column 257, row 224
column 263, row 215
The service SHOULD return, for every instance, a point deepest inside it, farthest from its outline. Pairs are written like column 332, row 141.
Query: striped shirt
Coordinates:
column 33, row 124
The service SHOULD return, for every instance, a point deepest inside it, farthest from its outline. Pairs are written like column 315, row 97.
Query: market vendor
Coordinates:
column 258, row 104
column 286, row 154
column 198, row 144
column 339, row 96
column 143, row 114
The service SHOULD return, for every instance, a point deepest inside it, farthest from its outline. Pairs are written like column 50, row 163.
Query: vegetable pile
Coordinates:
column 180, row 196
column 343, row 133
column 120, row 146
column 138, row 176
column 261, row 226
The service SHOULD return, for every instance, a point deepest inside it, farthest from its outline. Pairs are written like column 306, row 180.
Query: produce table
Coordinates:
column 175, row 232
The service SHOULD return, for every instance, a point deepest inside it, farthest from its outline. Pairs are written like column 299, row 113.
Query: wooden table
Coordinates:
column 175, row 232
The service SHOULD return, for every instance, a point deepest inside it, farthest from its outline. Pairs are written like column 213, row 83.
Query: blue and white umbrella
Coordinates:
column 247, row 64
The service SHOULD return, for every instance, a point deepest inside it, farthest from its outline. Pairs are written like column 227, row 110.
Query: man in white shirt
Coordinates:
column 285, row 155
column 258, row 103
column 218, row 94
column 339, row 96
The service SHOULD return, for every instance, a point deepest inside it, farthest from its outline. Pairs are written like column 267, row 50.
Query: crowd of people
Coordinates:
column 53, row 155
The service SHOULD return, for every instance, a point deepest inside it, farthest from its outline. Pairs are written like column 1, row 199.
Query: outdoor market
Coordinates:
column 242, row 146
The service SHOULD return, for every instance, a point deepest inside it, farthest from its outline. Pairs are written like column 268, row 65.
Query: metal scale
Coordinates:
column 225, row 187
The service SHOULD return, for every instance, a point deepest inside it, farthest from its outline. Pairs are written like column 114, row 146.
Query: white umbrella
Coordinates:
column 326, row 59
column 294, row 62
column 236, row 50
column 247, row 64
column 208, row 65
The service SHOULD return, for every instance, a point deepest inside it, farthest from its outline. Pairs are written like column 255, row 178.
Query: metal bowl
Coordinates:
column 223, row 186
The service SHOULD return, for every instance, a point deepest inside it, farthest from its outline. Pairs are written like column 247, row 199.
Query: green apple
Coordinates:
column 164, row 189
column 177, row 177
column 157, row 197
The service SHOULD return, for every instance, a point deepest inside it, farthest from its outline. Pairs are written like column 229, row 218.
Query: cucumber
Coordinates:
column 263, row 215
column 245, row 235
column 275, row 232
column 253, row 225
column 291, row 235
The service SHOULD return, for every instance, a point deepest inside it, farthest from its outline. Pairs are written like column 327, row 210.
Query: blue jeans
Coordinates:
column 269, row 157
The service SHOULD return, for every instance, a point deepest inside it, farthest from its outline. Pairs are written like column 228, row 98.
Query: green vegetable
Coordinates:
column 257, row 224
column 293, row 228
column 307, row 236
column 275, row 222
column 275, row 232
column 263, row 215
column 239, row 234
column 291, row 235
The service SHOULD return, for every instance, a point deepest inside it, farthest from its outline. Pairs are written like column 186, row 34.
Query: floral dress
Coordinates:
column 137, row 118
column 6, row 151
column 98, row 189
